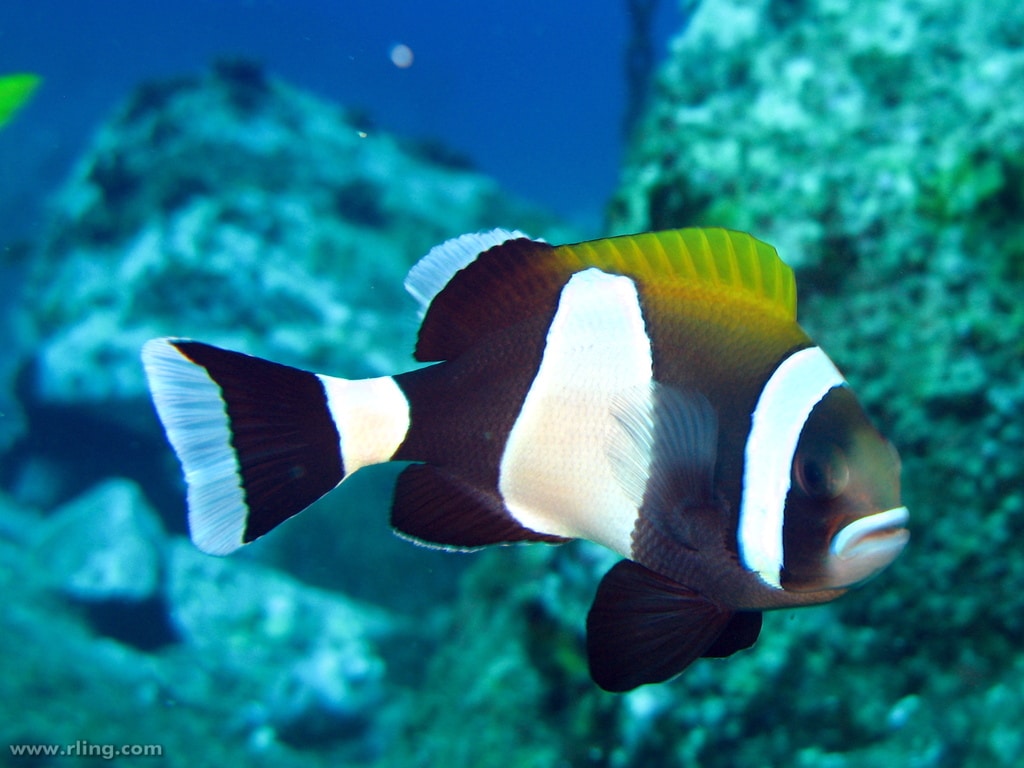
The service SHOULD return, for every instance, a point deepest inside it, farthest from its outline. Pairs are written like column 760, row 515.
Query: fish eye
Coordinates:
column 822, row 473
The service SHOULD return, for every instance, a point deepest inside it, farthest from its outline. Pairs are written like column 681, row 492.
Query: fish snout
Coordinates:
column 864, row 548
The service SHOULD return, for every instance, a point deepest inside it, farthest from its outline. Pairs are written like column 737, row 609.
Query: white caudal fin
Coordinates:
column 258, row 441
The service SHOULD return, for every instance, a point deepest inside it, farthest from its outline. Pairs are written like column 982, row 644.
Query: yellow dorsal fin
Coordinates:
column 715, row 257
column 468, row 295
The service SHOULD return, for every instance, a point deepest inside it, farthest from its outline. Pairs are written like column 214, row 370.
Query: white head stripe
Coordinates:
column 788, row 398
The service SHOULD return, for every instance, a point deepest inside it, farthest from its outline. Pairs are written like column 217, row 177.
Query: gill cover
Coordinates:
column 844, row 522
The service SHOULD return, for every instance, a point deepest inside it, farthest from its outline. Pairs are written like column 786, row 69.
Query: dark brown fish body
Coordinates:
column 653, row 394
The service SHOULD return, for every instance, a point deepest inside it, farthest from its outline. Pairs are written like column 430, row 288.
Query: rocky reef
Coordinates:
column 879, row 145
column 140, row 639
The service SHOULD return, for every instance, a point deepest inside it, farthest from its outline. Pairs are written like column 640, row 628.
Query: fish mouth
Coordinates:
column 866, row 546
column 871, row 532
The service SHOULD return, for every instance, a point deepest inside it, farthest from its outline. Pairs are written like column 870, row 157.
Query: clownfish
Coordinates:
column 650, row 393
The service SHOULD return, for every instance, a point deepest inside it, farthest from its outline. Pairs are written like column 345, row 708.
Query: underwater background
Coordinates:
column 261, row 175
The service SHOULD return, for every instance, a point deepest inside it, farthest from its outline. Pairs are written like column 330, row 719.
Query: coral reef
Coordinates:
column 870, row 122
column 879, row 146
column 103, row 546
column 125, row 636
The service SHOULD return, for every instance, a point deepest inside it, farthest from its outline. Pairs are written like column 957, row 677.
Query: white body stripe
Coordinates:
column 788, row 398
column 556, row 475
column 371, row 416
column 195, row 418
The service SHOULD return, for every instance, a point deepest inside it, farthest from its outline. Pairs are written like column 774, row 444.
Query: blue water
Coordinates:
column 882, row 140
column 533, row 92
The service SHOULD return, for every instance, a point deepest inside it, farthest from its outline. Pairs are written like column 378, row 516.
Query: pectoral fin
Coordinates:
column 663, row 452
column 645, row 628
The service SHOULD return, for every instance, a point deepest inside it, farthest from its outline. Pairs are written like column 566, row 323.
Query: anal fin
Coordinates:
column 434, row 506
column 645, row 628
column 741, row 632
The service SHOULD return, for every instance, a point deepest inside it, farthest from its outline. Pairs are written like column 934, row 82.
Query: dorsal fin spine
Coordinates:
column 717, row 258
column 749, row 265
column 695, row 268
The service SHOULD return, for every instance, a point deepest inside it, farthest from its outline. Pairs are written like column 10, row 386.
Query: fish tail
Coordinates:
column 259, row 441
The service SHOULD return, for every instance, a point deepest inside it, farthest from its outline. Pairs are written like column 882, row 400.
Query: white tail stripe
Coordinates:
column 371, row 416
column 195, row 418
column 788, row 398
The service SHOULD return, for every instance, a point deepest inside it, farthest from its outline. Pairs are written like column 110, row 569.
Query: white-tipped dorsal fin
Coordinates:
column 432, row 273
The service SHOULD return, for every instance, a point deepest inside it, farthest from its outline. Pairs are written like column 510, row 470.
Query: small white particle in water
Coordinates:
column 401, row 56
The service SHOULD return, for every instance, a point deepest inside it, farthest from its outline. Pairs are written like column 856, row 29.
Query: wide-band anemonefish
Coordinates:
column 651, row 393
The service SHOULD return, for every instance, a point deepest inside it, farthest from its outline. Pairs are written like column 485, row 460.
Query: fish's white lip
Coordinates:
column 845, row 543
